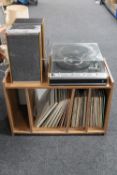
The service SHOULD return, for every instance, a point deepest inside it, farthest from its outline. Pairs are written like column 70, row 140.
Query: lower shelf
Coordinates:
column 59, row 131
column 58, row 112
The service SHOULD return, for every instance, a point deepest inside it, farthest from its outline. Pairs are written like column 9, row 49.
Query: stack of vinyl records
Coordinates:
column 97, row 109
column 53, row 109
column 95, row 116
column 78, row 119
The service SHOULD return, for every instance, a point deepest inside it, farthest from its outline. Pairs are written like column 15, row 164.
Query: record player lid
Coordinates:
column 76, row 52
column 77, row 57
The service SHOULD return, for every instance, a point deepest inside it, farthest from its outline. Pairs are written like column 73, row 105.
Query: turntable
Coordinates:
column 77, row 64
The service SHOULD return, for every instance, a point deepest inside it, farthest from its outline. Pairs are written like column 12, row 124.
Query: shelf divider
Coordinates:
column 88, row 109
column 70, row 109
column 108, row 107
column 29, row 107
column 8, row 104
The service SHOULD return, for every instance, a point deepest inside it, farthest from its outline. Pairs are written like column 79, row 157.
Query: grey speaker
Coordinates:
column 25, row 47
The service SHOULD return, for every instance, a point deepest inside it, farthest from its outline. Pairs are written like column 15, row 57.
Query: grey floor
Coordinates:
column 67, row 21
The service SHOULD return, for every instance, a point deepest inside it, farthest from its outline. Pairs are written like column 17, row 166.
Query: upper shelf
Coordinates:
column 16, row 85
column 11, row 85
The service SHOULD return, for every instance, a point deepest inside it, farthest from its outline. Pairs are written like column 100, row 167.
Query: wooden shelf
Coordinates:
column 21, row 123
column 60, row 131
column 18, row 114
column 30, row 85
column 48, row 130
column 21, row 118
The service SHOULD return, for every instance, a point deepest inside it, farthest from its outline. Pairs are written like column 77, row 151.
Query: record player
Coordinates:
column 77, row 64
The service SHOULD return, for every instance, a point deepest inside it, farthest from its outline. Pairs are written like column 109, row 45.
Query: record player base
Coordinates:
column 21, row 117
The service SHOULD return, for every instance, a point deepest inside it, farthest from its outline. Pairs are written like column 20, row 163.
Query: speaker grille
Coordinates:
column 24, row 54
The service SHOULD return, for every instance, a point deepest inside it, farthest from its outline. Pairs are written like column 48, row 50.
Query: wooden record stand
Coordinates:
column 22, row 120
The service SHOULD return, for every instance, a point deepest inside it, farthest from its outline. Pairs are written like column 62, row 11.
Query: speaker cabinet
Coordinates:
column 26, row 49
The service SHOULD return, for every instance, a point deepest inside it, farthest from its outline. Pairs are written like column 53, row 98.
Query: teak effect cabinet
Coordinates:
column 21, row 117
